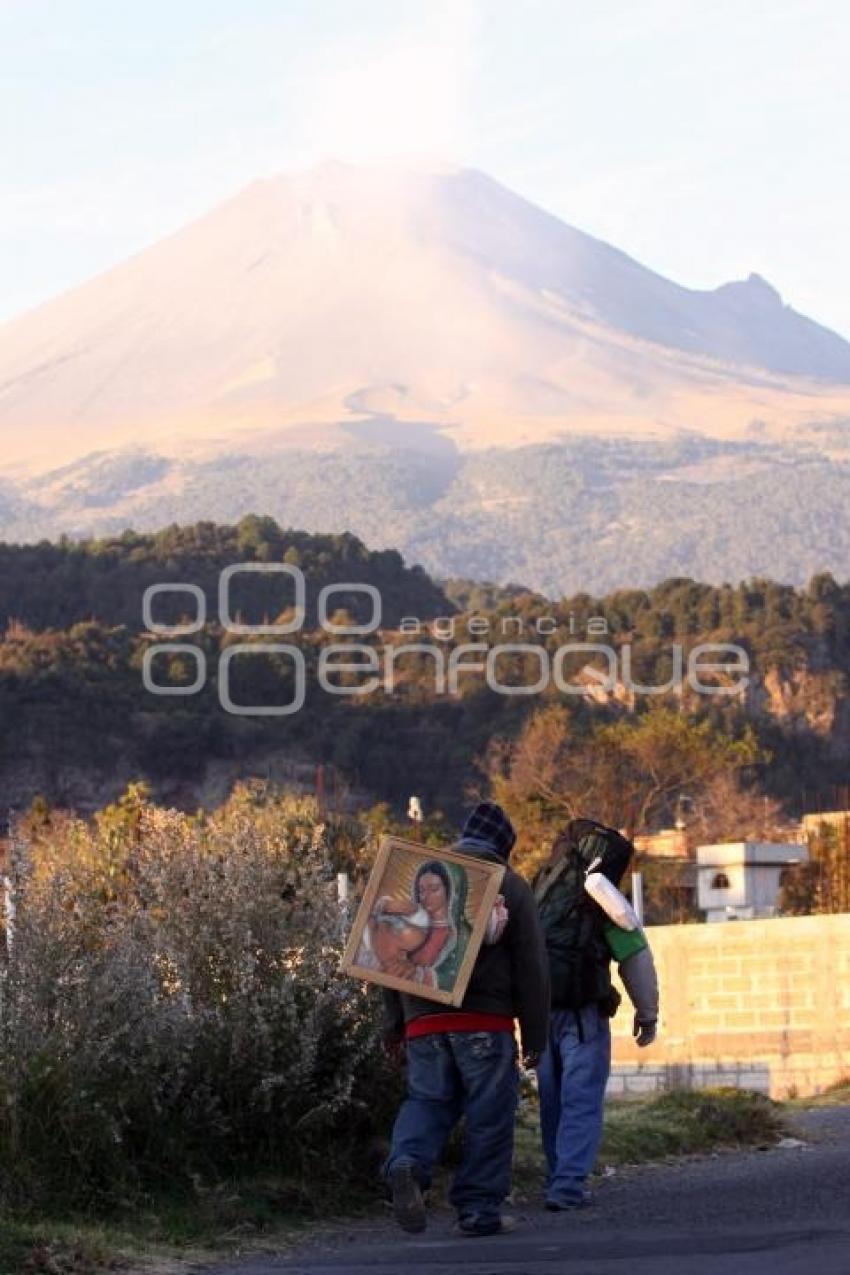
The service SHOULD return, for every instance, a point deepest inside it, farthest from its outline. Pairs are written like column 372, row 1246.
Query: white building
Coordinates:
column 743, row 879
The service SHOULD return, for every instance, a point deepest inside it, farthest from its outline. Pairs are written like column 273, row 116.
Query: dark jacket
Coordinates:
column 509, row 977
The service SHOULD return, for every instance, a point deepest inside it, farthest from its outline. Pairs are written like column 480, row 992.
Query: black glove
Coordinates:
column 644, row 1031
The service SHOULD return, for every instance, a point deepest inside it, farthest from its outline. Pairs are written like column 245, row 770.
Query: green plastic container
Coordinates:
column 623, row 943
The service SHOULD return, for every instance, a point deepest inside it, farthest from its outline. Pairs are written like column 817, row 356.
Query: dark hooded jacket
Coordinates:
column 509, row 977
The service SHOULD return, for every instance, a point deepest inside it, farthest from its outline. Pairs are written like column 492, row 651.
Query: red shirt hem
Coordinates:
column 463, row 1021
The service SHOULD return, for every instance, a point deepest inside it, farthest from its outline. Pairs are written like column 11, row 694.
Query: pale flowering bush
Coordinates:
column 171, row 1007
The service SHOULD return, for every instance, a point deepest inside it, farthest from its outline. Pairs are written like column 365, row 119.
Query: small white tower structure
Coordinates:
column 743, row 879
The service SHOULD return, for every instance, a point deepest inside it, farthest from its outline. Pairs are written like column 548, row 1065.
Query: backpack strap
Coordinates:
column 549, row 876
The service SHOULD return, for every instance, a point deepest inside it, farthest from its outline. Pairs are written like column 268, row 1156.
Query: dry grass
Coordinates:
column 836, row 1095
column 673, row 1124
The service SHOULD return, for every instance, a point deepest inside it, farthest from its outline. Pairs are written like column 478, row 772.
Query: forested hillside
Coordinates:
column 49, row 585
column 77, row 724
column 577, row 513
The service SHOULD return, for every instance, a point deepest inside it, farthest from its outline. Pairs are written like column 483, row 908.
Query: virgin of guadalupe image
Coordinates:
column 421, row 939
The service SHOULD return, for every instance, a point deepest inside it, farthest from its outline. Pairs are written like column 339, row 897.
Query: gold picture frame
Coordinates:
column 422, row 920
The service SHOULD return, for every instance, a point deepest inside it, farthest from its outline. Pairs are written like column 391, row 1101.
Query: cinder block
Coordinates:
column 804, row 1017
column 740, row 1020
column 719, row 1000
column 648, row 1083
column 702, row 1021
column 713, row 1079
column 738, row 983
column 773, row 1018
column 767, row 980
column 758, row 1080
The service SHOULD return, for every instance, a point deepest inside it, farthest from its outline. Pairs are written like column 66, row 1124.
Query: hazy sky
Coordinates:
column 707, row 140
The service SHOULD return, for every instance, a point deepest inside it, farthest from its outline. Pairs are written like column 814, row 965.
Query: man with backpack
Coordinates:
column 580, row 943
column 462, row 1062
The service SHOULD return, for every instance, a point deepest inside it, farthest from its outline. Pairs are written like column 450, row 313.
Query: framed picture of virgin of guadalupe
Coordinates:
column 422, row 920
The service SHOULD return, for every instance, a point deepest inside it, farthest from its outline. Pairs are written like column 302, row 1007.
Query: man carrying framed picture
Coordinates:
column 462, row 1059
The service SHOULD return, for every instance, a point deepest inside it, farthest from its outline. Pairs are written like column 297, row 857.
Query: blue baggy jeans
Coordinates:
column 571, row 1082
column 454, row 1074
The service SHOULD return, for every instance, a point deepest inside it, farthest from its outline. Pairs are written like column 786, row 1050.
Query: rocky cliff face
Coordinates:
column 808, row 702
column 804, row 697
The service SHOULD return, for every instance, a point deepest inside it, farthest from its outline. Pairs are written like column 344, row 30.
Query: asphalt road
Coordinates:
column 780, row 1212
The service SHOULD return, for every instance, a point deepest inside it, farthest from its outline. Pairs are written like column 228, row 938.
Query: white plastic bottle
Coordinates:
column 612, row 902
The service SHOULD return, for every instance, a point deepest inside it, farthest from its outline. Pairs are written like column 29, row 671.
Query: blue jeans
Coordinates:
column 571, row 1081
column 454, row 1074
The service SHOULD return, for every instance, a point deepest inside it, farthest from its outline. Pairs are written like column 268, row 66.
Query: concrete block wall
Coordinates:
column 755, row 1004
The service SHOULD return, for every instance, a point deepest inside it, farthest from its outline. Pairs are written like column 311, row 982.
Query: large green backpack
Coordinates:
column 579, row 959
